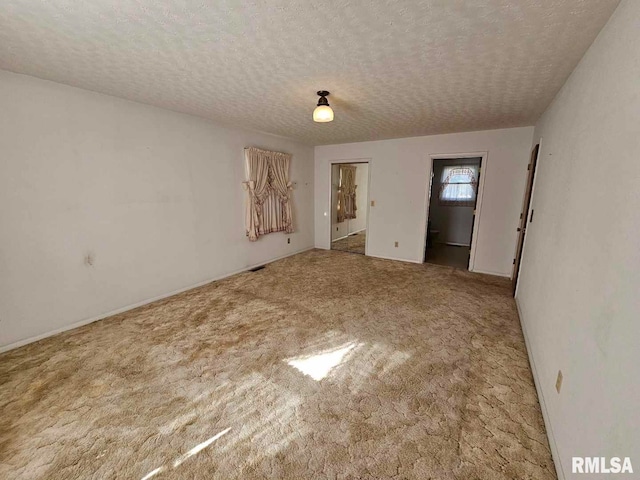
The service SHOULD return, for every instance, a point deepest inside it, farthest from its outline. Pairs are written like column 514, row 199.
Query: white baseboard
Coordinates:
column 394, row 258
column 541, row 400
column 26, row 341
column 495, row 274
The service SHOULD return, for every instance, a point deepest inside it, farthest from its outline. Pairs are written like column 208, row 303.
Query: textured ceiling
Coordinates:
column 394, row 68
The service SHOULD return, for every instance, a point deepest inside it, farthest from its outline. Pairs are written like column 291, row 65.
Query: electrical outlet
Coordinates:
column 288, row 240
column 373, row 203
column 396, row 244
column 559, row 381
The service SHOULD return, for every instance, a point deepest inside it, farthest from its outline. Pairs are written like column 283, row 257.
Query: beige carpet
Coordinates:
column 355, row 243
column 322, row 365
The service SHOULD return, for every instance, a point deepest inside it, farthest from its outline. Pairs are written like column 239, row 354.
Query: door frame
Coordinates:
column 484, row 164
column 348, row 161
column 528, row 217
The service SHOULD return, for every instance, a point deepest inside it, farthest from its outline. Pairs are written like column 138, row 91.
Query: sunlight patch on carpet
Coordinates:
column 152, row 473
column 199, row 447
column 320, row 365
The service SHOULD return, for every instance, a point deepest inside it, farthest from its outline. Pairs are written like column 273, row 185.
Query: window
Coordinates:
column 459, row 185
column 268, row 207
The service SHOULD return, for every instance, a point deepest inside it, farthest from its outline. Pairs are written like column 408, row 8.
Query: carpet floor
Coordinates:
column 321, row 365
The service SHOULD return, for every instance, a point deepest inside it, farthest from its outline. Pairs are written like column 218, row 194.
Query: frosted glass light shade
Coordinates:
column 323, row 113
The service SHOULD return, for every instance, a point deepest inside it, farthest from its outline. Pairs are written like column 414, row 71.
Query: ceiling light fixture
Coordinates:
column 323, row 112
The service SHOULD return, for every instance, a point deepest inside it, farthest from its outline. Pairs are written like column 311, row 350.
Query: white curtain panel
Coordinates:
column 459, row 186
column 268, row 207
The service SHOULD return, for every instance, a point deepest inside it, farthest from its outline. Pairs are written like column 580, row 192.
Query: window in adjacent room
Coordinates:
column 459, row 185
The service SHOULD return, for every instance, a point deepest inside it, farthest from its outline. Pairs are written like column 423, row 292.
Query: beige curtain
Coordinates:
column 347, row 193
column 282, row 188
column 269, row 193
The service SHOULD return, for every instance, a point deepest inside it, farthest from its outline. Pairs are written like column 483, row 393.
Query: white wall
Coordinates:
column 399, row 171
column 580, row 278
column 154, row 197
column 453, row 222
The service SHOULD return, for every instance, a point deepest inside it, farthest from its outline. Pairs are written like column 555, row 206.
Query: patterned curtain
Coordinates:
column 268, row 193
column 347, row 193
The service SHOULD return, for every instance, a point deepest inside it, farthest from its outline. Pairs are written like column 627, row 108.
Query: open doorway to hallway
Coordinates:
column 452, row 211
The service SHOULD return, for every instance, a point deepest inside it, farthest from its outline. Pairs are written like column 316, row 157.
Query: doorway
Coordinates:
column 525, row 217
column 349, row 200
column 453, row 198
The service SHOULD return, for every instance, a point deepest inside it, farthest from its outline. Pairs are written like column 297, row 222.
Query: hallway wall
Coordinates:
column 580, row 276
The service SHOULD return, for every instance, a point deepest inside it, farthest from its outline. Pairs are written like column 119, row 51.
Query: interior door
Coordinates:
column 473, row 221
column 522, row 228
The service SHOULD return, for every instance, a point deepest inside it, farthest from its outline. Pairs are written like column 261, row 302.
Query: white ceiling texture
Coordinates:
column 395, row 68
